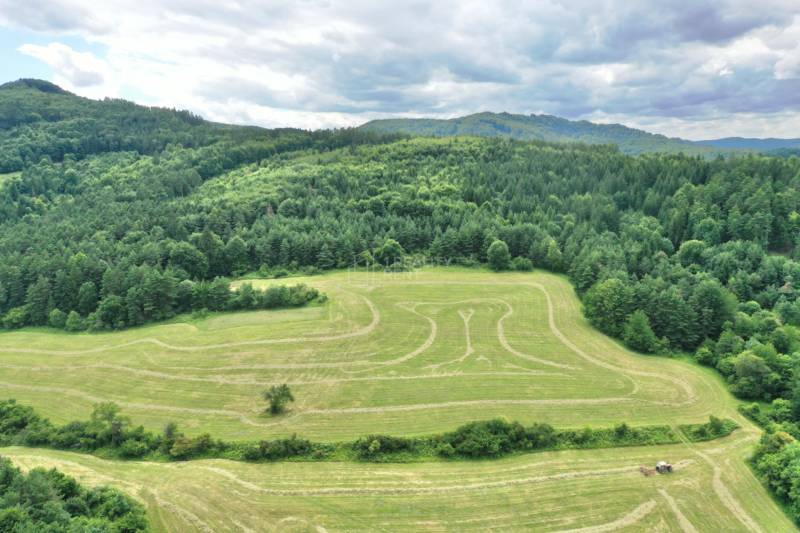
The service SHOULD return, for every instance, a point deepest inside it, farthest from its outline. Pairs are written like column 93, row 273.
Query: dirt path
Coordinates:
column 501, row 336
column 465, row 316
column 720, row 488
column 684, row 522
column 466, row 403
column 434, row 329
column 261, row 382
column 626, row 521
column 406, row 490
column 691, row 395
column 133, row 405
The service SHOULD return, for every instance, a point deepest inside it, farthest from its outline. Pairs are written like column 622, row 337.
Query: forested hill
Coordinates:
column 762, row 145
column 38, row 118
column 113, row 215
column 541, row 128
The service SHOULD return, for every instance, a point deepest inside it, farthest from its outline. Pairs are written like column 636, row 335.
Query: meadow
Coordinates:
column 402, row 354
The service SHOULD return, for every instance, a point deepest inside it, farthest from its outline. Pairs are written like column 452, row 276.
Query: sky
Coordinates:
column 687, row 68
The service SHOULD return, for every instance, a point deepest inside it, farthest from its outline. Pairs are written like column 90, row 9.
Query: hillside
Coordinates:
column 405, row 356
column 38, row 118
column 761, row 145
column 123, row 227
column 541, row 128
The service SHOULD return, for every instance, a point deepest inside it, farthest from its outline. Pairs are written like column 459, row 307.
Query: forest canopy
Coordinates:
column 47, row 500
column 113, row 214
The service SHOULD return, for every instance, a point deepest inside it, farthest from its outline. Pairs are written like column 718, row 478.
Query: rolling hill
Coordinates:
column 745, row 143
column 542, row 128
column 124, row 228
column 409, row 357
column 40, row 119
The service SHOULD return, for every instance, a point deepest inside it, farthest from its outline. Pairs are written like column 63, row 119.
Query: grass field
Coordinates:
column 404, row 354
column 598, row 490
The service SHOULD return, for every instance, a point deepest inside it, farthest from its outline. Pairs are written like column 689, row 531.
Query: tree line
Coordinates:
column 47, row 500
column 151, row 295
column 113, row 434
column 667, row 252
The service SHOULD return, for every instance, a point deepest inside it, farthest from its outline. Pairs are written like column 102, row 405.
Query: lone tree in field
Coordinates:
column 278, row 396
column 499, row 258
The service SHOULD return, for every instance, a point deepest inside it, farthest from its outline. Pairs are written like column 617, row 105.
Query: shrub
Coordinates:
column 372, row 446
column 15, row 318
column 57, row 319
column 74, row 322
column 278, row 396
column 499, row 258
column 133, row 448
column 493, row 437
column 753, row 412
column 186, row 448
column 251, row 452
column 622, row 430
column 284, row 448
column 522, row 264
column 705, row 356
column 445, row 449
column 713, row 429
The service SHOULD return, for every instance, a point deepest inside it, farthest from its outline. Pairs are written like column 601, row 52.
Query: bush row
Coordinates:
column 715, row 428
column 111, row 434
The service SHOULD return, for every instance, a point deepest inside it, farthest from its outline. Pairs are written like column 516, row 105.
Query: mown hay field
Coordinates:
column 404, row 354
column 591, row 490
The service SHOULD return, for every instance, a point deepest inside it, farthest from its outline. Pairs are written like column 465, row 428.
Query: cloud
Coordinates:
column 80, row 69
column 49, row 15
column 313, row 63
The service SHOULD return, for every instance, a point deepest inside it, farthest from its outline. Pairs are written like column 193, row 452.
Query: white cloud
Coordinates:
column 788, row 67
column 691, row 65
column 79, row 69
column 781, row 125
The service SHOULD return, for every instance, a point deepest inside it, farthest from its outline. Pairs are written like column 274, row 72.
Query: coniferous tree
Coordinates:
column 38, row 301
column 638, row 334
column 325, row 258
column 87, row 298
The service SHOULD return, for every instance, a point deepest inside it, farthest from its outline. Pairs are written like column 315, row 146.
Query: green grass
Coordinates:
column 404, row 354
column 550, row 491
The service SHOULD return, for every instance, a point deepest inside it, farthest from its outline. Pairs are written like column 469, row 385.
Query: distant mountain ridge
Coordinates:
column 57, row 114
column 540, row 127
column 752, row 143
column 556, row 129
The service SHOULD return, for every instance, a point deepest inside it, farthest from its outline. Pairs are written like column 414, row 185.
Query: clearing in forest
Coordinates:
column 401, row 354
